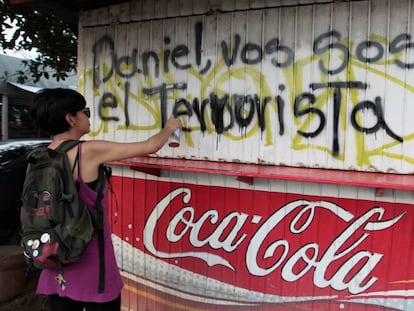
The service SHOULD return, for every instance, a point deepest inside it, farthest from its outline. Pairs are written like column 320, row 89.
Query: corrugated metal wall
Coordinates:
column 322, row 85
column 296, row 83
column 191, row 241
column 159, row 9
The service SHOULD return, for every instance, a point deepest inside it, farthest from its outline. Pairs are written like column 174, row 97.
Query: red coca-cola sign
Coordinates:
column 228, row 248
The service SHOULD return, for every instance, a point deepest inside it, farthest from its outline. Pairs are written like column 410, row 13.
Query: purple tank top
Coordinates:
column 82, row 278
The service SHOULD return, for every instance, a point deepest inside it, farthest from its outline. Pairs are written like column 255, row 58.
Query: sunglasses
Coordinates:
column 87, row 111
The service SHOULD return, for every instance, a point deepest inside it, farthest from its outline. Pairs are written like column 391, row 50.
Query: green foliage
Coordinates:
column 54, row 39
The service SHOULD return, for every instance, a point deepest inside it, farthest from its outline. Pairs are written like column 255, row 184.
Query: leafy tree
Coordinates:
column 54, row 39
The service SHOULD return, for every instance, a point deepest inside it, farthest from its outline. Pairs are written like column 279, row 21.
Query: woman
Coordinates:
column 63, row 114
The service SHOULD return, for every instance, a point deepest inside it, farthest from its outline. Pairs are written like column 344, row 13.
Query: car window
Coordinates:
column 11, row 152
column 9, row 155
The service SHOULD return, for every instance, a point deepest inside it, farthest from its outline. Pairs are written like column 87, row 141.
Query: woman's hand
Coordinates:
column 172, row 124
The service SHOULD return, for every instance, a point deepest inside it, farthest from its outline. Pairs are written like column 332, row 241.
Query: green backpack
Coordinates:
column 56, row 226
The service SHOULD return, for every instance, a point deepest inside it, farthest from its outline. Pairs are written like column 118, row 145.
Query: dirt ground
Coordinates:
column 27, row 300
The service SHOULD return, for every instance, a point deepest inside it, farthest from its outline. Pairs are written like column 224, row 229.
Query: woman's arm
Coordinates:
column 99, row 151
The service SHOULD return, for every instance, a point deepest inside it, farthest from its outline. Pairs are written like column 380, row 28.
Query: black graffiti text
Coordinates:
column 107, row 63
column 244, row 110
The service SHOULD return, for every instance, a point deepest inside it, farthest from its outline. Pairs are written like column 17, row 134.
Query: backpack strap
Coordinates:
column 99, row 228
column 67, row 145
column 76, row 161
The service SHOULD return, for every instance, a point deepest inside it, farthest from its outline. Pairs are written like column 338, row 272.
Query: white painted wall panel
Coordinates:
column 319, row 85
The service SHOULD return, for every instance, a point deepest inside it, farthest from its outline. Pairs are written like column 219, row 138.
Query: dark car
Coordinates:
column 13, row 163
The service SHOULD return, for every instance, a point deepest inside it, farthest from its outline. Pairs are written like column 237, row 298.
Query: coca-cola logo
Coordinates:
column 338, row 261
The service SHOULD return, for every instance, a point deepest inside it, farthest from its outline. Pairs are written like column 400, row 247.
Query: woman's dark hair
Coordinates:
column 50, row 107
